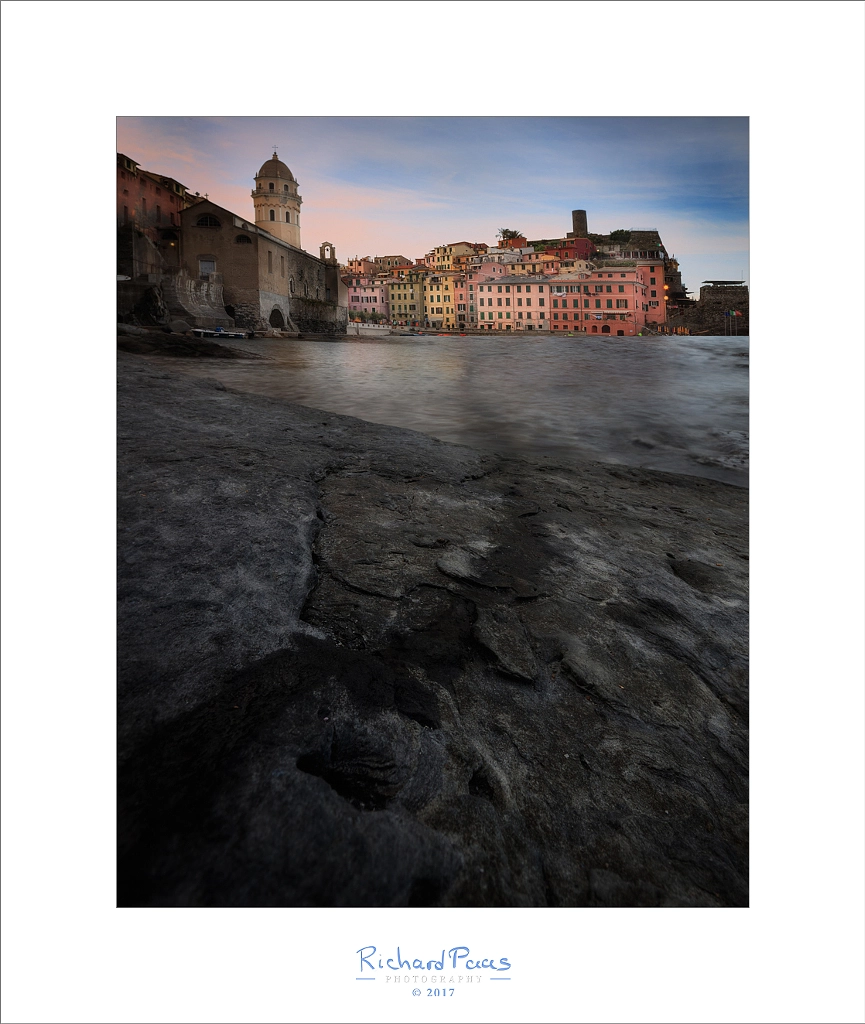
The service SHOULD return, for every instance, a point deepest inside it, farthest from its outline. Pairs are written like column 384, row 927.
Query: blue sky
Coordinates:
column 401, row 185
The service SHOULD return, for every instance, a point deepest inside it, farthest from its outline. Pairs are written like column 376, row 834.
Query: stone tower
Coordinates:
column 277, row 202
column 581, row 227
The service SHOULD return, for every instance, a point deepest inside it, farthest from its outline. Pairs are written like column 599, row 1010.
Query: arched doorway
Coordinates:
column 277, row 319
column 605, row 329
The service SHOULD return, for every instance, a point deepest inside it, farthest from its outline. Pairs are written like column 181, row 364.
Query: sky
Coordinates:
column 401, row 185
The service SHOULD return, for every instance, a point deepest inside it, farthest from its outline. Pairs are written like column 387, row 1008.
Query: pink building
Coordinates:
column 362, row 266
column 466, row 311
column 366, row 295
column 513, row 303
column 612, row 300
column 651, row 276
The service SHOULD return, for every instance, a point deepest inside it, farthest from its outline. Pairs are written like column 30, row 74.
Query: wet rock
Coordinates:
column 359, row 667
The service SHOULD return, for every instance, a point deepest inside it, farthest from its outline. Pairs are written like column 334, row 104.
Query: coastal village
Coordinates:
column 182, row 258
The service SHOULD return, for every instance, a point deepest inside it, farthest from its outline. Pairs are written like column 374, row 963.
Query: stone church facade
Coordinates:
column 214, row 268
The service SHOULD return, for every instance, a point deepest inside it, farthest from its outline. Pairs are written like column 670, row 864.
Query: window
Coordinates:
column 271, row 186
column 519, row 302
column 528, row 288
column 653, row 293
column 621, row 287
column 585, row 303
column 597, row 303
column 599, row 287
column 272, row 215
column 528, row 302
column 556, row 305
column 285, row 188
column 609, row 303
column 540, row 289
column 207, row 221
column 621, row 303
column 609, row 287
column 652, row 280
column 243, row 240
column 287, row 217
column 498, row 301
column 206, row 266
column 540, row 302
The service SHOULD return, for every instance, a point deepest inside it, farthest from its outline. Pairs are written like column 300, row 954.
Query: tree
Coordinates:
column 506, row 234
column 620, row 235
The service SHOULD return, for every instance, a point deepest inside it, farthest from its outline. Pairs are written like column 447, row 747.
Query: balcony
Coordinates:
column 274, row 194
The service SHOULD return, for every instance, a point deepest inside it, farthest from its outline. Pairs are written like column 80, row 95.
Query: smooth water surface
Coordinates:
column 678, row 404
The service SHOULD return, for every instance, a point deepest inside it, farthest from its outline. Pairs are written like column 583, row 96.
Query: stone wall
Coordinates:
column 707, row 315
column 318, row 317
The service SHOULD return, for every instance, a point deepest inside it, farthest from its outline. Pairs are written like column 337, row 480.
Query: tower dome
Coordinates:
column 274, row 168
column 277, row 201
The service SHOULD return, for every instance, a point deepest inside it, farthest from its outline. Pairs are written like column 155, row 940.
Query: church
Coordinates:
column 212, row 267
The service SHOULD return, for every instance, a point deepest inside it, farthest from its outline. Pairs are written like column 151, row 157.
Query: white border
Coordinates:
column 69, row 68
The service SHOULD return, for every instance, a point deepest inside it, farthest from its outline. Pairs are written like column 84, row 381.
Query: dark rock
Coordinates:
column 149, row 342
column 359, row 668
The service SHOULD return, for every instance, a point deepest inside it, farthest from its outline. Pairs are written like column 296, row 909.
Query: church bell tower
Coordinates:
column 277, row 202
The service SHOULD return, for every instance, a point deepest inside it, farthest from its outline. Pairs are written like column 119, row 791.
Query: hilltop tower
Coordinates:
column 581, row 227
column 277, row 201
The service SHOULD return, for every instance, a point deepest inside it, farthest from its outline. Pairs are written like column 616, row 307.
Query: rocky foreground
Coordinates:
column 362, row 667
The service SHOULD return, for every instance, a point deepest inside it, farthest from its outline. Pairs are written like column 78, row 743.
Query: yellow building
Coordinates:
column 535, row 263
column 406, row 297
column 443, row 256
column 439, row 300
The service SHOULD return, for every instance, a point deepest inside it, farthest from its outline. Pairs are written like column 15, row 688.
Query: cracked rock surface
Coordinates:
column 362, row 667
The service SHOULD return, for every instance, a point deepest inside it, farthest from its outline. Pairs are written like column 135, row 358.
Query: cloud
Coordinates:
column 402, row 184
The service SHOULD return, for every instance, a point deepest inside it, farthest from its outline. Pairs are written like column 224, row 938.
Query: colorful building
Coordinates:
column 405, row 296
column 513, row 303
column 651, row 275
column 361, row 266
column 612, row 299
column 444, row 257
column 389, row 263
column 466, row 311
column 439, row 303
column 366, row 295
column 536, row 263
